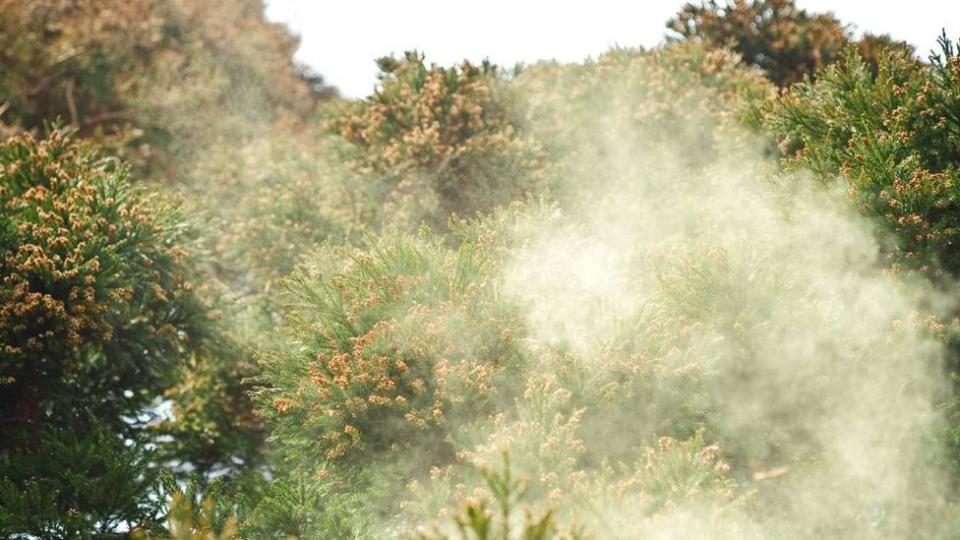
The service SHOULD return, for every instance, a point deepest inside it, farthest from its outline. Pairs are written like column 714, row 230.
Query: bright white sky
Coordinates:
column 341, row 38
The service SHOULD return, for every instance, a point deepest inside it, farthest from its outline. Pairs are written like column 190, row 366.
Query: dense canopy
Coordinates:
column 706, row 289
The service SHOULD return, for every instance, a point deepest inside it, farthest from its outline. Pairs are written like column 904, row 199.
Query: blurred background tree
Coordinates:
column 154, row 78
column 787, row 43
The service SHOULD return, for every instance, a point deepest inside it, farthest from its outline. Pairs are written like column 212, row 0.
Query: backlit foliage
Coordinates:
column 478, row 521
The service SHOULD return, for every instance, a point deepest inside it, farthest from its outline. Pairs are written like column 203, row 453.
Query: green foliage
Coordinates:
column 80, row 486
column 893, row 141
column 605, row 360
column 184, row 526
column 438, row 141
column 198, row 510
column 181, row 90
column 97, row 303
column 213, row 427
column 99, row 306
column 297, row 507
column 677, row 472
column 628, row 287
column 405, row 341
column 476, row 522
column 787, row 43
column 192, row 519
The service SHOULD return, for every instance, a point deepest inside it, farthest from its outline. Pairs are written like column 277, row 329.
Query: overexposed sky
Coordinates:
column 340, row 39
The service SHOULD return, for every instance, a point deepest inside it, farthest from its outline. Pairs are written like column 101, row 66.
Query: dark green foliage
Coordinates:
column 177, row 89
column 299, row 507
column 97, row 303
column 98, row 307
column 893, row 140
column 80, row 486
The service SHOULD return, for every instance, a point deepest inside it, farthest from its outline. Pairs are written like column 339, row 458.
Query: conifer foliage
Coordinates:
column 631, row 280
column 893, row 139
column 153, row 79
column 98, row 305
column 439, row 141
column 786, row 42
column 404, row 343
